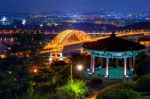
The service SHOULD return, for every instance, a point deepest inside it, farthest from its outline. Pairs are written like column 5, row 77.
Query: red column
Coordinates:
column 93, row 64
column 107, row 66
column 125, row 67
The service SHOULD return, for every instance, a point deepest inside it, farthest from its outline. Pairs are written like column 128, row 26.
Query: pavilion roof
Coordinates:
column 113, row 43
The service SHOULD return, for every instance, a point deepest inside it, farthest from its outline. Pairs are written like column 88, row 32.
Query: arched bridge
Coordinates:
column 66, row 38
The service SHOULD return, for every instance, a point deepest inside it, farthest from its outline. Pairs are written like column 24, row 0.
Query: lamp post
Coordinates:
column 79, row 67
column 71, row 73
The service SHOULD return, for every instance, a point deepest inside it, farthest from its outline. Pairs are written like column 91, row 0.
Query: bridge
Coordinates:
column 67, row 38
column 72, row 37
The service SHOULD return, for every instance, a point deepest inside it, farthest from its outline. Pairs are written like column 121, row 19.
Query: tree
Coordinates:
column 21, row 54
column 143, row 83
column 142, row 66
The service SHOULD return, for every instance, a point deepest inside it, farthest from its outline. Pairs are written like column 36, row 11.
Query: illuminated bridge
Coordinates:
column 67, row 38
column 72, row 37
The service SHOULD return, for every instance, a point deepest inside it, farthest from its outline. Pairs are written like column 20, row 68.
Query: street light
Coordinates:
column 79, row 67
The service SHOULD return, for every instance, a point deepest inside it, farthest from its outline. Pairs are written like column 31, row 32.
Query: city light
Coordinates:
column 4, row 19
column 41, row 25
column 23, row 22
column 35, row 70
column 2, row 56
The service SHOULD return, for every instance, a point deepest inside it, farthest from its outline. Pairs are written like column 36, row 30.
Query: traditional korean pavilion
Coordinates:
column 113, row 48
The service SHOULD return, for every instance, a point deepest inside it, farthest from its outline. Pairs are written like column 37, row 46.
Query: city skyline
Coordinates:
column 17, row 6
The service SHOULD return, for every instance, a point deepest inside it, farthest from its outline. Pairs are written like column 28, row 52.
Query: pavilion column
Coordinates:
column 101, row 59
column 93, row 64
column 117, row 63
column 133, row 61
column 125, row 67
column 130, row 63
column 107, row 67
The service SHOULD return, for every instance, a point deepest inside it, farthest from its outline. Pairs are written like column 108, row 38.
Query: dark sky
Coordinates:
column 74, row 5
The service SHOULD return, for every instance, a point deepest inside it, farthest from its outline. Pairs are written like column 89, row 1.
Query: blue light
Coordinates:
column 99, row 67
column 88, row 69
column 90, row 73
column 117, row 54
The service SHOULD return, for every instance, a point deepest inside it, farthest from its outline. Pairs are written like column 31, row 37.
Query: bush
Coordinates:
column 73, row 90
column 143, row 83
column 119, row 94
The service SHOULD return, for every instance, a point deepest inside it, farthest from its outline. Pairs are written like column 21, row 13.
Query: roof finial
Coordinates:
column 113, row 34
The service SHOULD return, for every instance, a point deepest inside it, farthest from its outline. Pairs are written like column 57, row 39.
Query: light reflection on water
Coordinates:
column 67, row 51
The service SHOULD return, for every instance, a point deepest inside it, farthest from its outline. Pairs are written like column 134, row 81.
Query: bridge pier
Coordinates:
column 61, row 56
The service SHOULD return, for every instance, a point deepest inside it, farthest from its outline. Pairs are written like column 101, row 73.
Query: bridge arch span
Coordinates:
column 68, row 37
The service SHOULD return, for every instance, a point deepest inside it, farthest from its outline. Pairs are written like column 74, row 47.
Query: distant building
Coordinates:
column 146, row 42
column 115, row 23
column 71, row 21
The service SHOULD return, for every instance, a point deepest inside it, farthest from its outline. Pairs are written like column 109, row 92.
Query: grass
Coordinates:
column 126, row 86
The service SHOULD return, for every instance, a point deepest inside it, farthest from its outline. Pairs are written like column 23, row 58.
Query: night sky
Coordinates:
column 74, row 5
